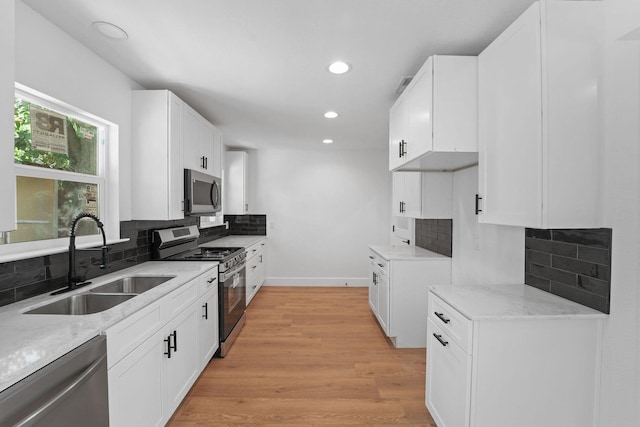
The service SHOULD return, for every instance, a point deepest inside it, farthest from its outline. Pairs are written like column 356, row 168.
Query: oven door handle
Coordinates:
column 227, row 274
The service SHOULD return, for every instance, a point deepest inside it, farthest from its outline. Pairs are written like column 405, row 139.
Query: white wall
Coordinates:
column 50, row 61
column 482, row 253
column 323, row 208
column 621, row 358
column 7, row 53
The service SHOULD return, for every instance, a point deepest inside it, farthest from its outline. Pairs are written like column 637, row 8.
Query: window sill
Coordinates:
column 16, row 256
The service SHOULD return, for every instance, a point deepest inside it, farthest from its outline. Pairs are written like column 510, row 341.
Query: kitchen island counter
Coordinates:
column 31, row 341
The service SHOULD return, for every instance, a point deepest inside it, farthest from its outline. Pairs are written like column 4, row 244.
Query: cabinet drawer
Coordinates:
column 125, row 336
column 253, row 250
column 380, row 263
column 178, row 300
column 208, row 280
column 451, row 321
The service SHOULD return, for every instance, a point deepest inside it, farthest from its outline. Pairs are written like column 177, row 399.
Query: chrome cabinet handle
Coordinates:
column 439, row 338
column 441, row 317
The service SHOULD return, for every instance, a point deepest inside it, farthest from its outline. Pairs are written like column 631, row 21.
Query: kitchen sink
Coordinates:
column 82, row 304
column 131, row 285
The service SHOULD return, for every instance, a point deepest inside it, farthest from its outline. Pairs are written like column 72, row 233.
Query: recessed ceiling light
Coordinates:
column 339, row 67
column 327, row 141
column 331, row 114
column 111, row 31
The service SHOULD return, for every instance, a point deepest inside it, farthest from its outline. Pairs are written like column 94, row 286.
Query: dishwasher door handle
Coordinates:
column 41, row 412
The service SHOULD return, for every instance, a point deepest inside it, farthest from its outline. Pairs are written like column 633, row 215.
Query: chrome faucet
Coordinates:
column 74, row 280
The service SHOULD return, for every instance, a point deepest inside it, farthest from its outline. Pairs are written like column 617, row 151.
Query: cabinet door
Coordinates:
column 157, row 181
column 182, row 367
column 397, row 132
column 209, row 333
column 218, row 153
column 397, row 193
column 373, row 288
column 448, row 388
column 511, row 125
column 412, row 194
column 207, row 146
column 136, row 386
column 420, row 113
column 7, row 88
column 193, row 158
column 235, row 183
column 383, row 302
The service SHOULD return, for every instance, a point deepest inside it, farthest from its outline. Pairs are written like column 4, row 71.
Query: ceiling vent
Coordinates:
column 404, row 82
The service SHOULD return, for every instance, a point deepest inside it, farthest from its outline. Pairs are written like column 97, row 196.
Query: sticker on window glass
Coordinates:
column 91, row 196
column 48, row 131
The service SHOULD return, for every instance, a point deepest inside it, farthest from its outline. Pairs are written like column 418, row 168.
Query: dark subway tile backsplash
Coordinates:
column 434, row 235
column 574, row 264
column 255, row 225
column 30, row 277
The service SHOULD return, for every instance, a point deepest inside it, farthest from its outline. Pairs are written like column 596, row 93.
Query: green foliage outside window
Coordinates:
column 81, row 140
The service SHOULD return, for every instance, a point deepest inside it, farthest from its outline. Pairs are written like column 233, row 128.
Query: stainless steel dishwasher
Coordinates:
column 70, row 391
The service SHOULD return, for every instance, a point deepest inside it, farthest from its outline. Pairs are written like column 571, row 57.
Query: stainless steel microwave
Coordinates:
column 202, row 194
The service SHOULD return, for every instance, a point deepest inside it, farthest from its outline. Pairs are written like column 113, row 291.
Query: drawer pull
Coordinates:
column 439, row 338
column 213, row 279
column 381, row 265
column 370, row 257
column 441, row 317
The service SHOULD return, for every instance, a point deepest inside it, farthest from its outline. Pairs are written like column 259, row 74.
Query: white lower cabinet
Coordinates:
column 256, row 268
column 398, row 289
column 209, row 332
column 181, row 365
column 136, row 384
column 516, row 358
column 155, row 355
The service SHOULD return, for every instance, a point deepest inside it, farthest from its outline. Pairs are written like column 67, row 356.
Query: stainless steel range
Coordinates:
column 181, row 244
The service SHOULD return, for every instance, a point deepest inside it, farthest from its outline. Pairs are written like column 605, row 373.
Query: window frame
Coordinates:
column 106, row 178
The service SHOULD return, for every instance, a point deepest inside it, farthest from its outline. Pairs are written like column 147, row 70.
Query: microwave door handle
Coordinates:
column 215, row 194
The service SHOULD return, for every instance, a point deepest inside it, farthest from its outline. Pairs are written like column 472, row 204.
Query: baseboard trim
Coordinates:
column 318, row 281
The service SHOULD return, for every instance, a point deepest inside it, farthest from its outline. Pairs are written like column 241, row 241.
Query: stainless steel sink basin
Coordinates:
column 131, row 285
column 82, row 304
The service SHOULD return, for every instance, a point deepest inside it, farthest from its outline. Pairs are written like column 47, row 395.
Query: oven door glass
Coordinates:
column 233, row 302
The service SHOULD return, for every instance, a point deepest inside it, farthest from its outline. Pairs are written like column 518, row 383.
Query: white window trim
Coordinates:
column 109, row 194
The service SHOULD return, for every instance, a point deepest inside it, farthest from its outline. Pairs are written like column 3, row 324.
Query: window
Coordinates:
column 61, row 166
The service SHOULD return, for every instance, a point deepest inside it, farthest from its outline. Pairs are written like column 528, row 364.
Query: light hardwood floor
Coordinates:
column 309, row 357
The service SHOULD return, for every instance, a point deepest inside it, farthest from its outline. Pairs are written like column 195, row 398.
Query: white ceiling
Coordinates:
column 257, row 69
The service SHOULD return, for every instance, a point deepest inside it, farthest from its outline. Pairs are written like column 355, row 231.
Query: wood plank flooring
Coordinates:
column 309, row 357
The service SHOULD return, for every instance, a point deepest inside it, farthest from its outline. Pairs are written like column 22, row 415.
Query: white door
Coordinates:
column 420, row 112
column 397, row 132
column 209, row 333
column 448, row 390
column 510, row 86
column 181, row 365
column 136, row 386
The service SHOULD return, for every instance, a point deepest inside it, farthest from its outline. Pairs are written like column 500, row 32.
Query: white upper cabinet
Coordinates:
column 7, row 78
column 433, row 125
column 157, row 179
column 540, row 150
column 235, row 199
column 202, row 144
column 423, row 195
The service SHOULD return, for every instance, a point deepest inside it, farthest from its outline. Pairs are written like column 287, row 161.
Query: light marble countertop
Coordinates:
column 509, row 302
column 233, row 241
column 30, row 341
column 405, row 252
